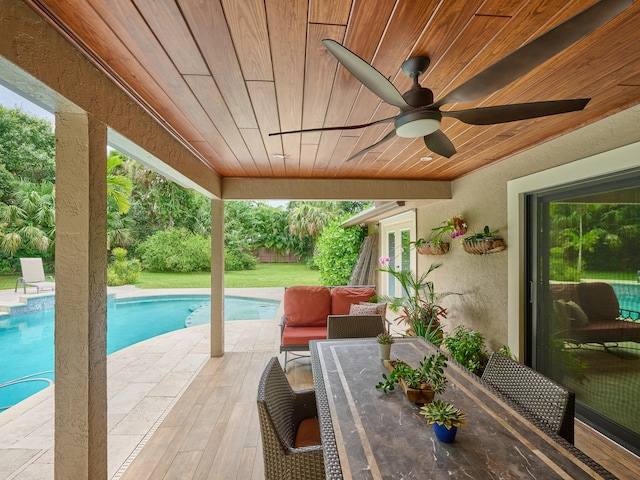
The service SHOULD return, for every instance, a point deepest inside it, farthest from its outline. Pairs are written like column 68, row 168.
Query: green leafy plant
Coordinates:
column 443, row 413
column 486, row 233
column 467, row 347
column 429, row 373
column 506, row 351
column 175, row 250
column 236, row 259
column 385, row 338
column 337, row 252
column 419, row 306
column 122, row 271
column 454, row 227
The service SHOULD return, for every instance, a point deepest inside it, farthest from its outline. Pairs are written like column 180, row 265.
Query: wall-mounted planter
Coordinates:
column 430, row 248
column 482, row 246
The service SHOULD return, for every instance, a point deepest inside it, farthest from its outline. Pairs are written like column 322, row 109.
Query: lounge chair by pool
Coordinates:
column 33, row 276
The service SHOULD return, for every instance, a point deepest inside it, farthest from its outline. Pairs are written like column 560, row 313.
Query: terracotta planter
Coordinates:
column 414, row 395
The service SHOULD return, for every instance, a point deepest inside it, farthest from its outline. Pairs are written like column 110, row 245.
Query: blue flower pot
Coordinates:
column 445, row 434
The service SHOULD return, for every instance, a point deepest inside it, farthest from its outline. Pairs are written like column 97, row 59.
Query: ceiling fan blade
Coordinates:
column 535, row 52
column 386, row 138
column 347, row 127
column 439, row 143
column 368, row 76
column 517, row 111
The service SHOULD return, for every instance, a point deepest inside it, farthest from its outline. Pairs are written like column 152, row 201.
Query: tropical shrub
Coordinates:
column 236, row 259
column 337, row 252
column 122, row 271
column 27, row 146
column 175, row 250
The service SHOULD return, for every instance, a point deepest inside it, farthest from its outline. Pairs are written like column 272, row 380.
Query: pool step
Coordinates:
column 199, row 316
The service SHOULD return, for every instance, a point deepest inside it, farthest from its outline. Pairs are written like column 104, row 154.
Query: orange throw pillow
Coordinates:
column 343, row 297
column 307, row 306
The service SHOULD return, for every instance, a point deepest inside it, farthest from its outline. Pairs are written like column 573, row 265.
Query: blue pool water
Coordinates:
column 629, row 298
column 26, row 340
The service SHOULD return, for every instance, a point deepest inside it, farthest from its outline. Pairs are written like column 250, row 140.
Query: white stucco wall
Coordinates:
column 482, row 199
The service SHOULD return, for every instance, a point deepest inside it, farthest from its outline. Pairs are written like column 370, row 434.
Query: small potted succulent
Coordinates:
column 445, row 419
column 385, row 340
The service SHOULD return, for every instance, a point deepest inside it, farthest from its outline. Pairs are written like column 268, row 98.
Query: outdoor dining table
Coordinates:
column 369, row 434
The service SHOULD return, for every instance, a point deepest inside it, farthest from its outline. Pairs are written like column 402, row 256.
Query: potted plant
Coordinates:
column 483, row 242
column 437, row 243
column 384, row 343
column 419, row 306
column 419, row 384
column 445, row 419
column 466, row 346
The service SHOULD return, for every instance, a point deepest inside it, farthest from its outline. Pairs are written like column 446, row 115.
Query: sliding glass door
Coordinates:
column 583, row 323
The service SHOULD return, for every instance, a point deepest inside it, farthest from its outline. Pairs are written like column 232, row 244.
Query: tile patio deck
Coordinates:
column 144, row 382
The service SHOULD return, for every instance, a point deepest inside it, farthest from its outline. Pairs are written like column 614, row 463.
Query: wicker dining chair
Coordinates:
column 532, row 394
column 282, row 413
column 354, row 326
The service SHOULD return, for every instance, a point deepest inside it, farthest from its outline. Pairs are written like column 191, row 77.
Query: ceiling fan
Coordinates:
column 420, row 116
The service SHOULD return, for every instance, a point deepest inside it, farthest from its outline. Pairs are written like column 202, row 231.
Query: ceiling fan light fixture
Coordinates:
column 415, row 124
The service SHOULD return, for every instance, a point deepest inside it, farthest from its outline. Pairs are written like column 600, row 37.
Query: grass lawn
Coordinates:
column 265, row 275
column 611, row 276
column 8, row 281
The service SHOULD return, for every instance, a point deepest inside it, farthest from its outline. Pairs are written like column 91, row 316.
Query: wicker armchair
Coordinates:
column 533, row 394
column 354, row 326
column 281, row 410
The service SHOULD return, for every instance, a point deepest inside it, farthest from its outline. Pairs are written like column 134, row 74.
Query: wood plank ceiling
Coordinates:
column 223, row 74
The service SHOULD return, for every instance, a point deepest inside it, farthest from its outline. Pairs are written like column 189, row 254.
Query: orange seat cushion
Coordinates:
column 302, row 335
column 308, row 434
column 343, row 297
column 307, row 306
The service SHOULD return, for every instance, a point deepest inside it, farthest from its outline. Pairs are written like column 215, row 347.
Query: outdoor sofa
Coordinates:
column 306, row 309
column 589, row 312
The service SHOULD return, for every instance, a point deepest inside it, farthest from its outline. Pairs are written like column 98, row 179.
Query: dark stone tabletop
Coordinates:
column 369, row 434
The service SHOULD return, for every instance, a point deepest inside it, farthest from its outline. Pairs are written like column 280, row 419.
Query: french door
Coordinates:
column 396, row 234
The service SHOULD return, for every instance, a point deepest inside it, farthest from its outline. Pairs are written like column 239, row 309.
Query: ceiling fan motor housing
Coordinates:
column 418, row 96
column 417, row 123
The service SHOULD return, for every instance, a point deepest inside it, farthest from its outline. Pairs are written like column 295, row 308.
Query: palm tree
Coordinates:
column 28, row 222
column 577, row 229
column 119, row 187
column 309, row 218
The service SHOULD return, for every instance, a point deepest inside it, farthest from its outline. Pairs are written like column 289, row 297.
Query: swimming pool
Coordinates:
column 26, row 340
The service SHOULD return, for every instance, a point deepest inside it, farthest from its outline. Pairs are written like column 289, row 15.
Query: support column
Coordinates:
column 81, row 306
column 217, row 278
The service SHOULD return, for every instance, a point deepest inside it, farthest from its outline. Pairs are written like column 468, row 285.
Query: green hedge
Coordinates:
column 175, row 250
